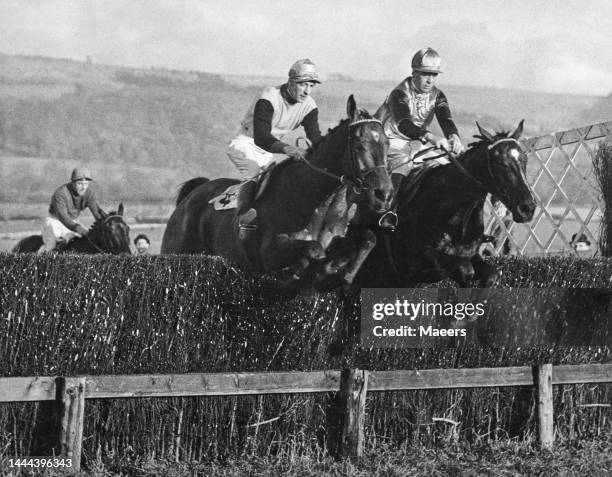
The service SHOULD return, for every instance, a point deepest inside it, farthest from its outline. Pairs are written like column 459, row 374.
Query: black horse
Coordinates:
column 354, row 152
column 441, row 226
column 109, row 234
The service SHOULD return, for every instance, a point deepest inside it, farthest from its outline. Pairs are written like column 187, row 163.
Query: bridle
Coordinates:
column 359, row 176
column 104, row 221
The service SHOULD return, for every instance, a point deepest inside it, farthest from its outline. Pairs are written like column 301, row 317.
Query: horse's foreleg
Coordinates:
column 366, row 241
column 347, row 257
column 309, row 248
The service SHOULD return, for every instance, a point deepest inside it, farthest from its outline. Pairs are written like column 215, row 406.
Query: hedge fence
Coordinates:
column 71, row 315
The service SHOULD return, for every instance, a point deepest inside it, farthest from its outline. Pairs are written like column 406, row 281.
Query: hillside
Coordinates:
column 143, row 131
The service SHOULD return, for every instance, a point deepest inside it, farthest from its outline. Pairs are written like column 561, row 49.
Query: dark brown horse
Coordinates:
column 441, row 224
column 355, row 151
column 110, row 234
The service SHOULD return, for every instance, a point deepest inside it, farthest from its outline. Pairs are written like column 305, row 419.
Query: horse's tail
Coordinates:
column 187, row 187
column 29, row 244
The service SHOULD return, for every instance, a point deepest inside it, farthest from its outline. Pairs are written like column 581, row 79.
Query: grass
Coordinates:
column 507, row 458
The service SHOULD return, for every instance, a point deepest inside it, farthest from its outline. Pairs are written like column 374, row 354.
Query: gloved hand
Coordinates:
column 295, row 152
column 455, row 144
column 81, row 230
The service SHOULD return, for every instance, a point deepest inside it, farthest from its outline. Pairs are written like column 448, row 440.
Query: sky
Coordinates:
column 560, row 46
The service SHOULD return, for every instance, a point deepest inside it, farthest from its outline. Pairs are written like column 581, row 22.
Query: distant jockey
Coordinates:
column 67, row 203
column 275, row 112
column 407, row 114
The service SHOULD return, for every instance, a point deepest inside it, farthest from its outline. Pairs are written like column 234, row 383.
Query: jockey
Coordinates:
column 274, row 112
column 67, row 203
column 407, row 114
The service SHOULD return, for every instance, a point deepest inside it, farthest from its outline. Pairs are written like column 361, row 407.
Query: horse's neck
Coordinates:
column 329, row 154
column 475, row 163
column 446, row 191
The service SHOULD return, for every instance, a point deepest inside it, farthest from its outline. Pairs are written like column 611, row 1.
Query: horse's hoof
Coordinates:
column 314, row 251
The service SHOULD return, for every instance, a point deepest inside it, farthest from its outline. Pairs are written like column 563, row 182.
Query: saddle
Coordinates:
column 227, row 200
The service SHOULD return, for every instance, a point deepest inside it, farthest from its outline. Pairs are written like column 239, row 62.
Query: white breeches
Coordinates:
column 53, row 231
column 248, row 158
column 401, row 152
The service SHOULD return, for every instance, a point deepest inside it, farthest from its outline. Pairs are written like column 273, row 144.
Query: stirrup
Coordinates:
column 388, row 221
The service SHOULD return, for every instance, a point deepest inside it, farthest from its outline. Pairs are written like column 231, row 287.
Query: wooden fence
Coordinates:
column 70, row 393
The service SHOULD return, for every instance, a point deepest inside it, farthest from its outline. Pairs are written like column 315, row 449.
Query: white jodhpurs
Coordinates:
column 53, row 231
column 248, row 158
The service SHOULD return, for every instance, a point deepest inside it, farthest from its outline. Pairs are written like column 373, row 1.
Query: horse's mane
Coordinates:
column 96, row 227
column 483, row 141
column 363, row 114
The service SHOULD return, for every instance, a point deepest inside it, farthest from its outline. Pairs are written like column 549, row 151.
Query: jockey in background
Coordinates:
column 274, row 112
column 407, row 114
column 67, row 203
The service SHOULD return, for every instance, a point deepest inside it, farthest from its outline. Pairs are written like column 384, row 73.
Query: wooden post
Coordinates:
column 71, row 402
column 545, row 405
column 353, row 389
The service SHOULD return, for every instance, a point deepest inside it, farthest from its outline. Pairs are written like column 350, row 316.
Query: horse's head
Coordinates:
column 506, row 163
column 368, row 147
column 110, row 233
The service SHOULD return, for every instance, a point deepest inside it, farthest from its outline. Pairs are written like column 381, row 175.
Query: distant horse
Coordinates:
column 441, row 225
column 109, row 234
column 354, row 153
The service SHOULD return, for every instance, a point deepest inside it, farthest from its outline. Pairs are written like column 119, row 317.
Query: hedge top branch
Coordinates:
column 426, row 318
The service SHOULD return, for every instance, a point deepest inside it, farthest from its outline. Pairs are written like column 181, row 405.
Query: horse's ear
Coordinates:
column 102, row 213
column 484, row 133
column 519, row 130
column 351, row 108
column 120, row 209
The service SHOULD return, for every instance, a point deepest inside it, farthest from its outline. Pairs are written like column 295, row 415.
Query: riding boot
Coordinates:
column 247, row 215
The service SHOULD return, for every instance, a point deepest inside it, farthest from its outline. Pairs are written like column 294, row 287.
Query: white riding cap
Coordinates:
column 427, row 60
column 302, row 71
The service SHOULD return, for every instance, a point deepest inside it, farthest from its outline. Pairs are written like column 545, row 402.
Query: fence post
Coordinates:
column 70, row 394
column 353, row 389
column 545, row 405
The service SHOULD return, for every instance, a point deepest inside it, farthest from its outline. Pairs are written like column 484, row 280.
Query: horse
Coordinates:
column 108, row 234
column 352, row 154
column 441, row 227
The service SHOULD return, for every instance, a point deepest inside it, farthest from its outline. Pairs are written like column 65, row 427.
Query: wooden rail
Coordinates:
column 70, row 393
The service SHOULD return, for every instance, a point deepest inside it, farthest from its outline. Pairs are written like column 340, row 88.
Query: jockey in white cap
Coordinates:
column 274, row 112
column 408, row 112
column 67, row 203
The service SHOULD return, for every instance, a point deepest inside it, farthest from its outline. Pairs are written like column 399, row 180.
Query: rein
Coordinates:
column 357, row 182
column 462, row 168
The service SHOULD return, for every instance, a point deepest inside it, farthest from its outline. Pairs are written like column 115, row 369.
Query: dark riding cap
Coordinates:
column 80, row 174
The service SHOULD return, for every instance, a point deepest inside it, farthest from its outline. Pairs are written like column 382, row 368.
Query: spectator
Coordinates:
column 142, row 244
column 580, row 243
